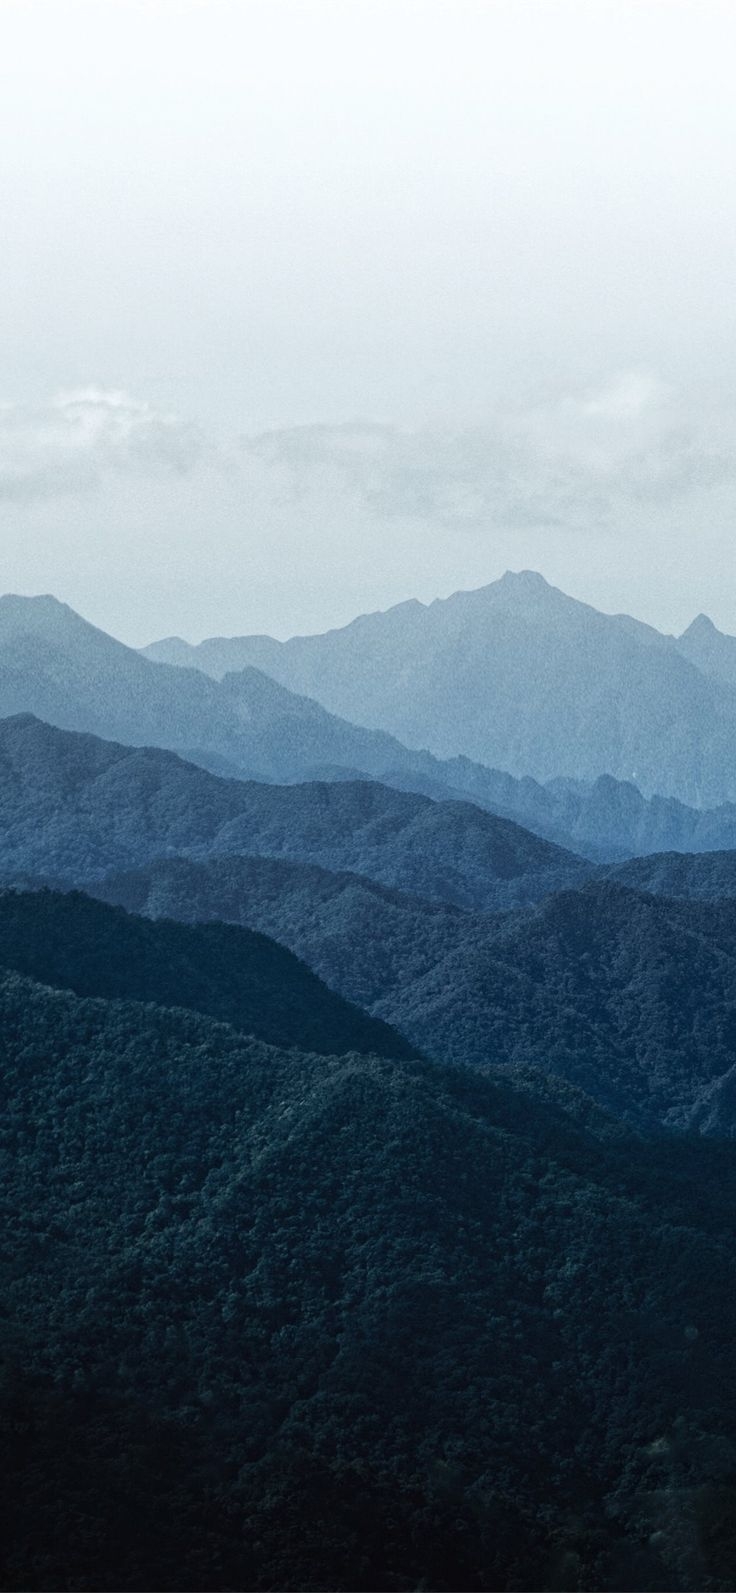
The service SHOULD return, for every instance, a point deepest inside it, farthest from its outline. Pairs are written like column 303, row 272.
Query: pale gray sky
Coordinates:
column 470, row 267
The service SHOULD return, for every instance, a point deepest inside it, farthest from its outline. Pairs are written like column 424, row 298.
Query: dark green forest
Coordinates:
column 231, row 974
column 280, row 1321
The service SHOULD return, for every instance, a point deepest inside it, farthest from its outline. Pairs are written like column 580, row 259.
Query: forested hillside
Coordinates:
column 363, row 936
column 628, row 995
column 704, row 876
column 295, row 1322
column 231, row 974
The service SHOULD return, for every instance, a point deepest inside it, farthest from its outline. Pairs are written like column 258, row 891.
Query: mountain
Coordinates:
column 458, row 985
column 519, row 677
column 711, row 650
column 628, row 996
column 74, row 807
column 273, row 1320
column 361, row 937
column 70, row 674
column 230, row 974
column 705, row 876
column 56, row 666
column 604, row 819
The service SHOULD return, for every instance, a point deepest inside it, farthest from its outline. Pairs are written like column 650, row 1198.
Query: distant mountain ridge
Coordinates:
column 74, row 807
column 516, row 676
column 603, row 819
column 56, row 666
column 66, row 672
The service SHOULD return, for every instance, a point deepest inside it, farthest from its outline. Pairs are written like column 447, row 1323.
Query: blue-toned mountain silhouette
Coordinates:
column 519, row 677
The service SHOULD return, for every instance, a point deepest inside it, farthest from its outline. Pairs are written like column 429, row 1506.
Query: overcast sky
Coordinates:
column 306, row 308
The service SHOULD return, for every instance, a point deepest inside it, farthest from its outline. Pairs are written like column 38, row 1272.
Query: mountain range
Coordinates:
column 247, row 725
column 368, row 1115
column 518, row 676
column 403, row 906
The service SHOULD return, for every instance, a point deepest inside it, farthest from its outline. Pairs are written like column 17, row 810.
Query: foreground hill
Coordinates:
column 73, row 807
column 282, row 1321
column 228, row 973
column 628, row 996
column 519, row 677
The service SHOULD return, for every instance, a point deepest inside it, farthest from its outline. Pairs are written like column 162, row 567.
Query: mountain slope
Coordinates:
column 231, row 974
column 516, row 676
column 705, row 876
column 361, row 937
column 628, row 996
column 56, row 666
column 295, row 1322
column 76, row 808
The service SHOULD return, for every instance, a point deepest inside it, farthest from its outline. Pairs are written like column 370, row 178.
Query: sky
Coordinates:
column 310, row 306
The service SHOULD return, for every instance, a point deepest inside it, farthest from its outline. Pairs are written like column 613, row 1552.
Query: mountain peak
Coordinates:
column 523, row 589
column 42, row 613
column 702, row 625
column 528, row 580
column 44, row 602
column 46, row 621
column 527, row 587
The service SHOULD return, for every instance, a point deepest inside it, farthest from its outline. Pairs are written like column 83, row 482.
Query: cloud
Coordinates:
column 611, row 490
column 71, row 444
column 580, row 460
column 628, row 395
